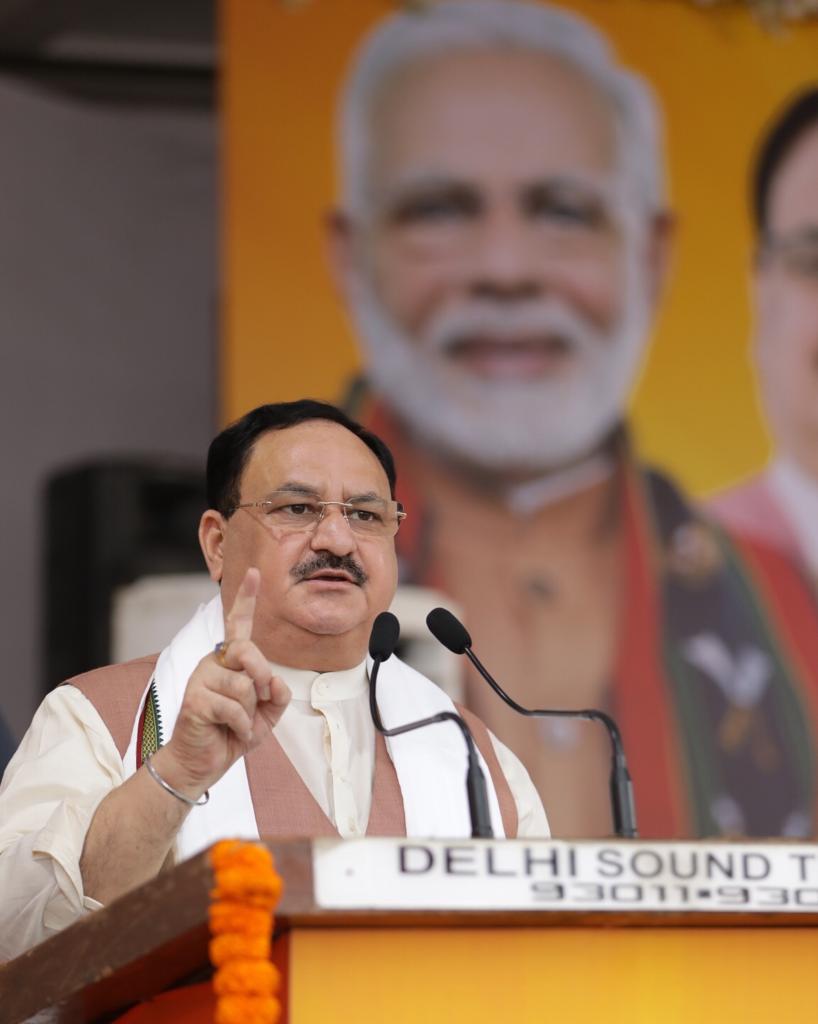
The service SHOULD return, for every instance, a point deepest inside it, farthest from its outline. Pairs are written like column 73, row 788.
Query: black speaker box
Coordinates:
column 107, row 524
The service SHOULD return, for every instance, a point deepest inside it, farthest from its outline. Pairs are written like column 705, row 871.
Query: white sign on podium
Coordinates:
column 484, row 874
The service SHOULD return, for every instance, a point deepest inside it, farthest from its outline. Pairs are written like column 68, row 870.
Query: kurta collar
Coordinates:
column 309, row 686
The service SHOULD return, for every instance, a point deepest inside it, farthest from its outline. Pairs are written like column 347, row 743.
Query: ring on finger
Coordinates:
column 220, row 652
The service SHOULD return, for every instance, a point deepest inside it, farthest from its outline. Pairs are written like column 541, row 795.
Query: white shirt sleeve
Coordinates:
column 532, row 822
column 66, row 764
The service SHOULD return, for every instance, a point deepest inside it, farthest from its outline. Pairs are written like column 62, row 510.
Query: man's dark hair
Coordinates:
column 798, row 116
column 230, row 450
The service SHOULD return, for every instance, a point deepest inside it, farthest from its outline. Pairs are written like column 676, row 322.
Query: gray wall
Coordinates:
column 107, row 316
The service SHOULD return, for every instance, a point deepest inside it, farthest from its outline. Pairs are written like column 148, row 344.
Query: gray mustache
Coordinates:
column 326, row 560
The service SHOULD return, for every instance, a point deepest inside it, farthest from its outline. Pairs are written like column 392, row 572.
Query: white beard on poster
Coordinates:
column 527, row 423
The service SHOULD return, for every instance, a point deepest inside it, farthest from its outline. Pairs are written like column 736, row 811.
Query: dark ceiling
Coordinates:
column 113, row 51
column 174, row 32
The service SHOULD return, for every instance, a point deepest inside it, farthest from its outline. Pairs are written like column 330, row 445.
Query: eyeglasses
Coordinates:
column 797, row 252
column 285, row 512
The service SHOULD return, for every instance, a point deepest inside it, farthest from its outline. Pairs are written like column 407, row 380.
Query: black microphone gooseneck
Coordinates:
column 454, row 635
column 382, row 643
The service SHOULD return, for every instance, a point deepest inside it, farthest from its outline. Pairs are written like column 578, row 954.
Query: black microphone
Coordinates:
column 384, row 638
column 382, row 643
column 453, row 634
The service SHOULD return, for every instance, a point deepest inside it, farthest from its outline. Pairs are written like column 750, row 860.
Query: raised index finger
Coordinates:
column 239, row 622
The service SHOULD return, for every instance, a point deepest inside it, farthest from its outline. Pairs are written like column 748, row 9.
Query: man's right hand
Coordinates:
column 231, row 703
column 226, row 711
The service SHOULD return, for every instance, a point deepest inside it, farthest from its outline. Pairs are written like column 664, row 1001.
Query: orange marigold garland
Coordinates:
column 247, row 891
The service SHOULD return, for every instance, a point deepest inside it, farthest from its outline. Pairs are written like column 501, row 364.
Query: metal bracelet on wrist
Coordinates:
column 174, row 792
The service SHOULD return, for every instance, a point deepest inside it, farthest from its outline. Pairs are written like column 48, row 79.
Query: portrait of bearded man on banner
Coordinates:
column 501, row 240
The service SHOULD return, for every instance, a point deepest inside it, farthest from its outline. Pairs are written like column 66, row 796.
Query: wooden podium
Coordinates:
column 459, row 954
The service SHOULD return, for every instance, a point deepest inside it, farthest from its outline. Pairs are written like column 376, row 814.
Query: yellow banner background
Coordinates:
column 718, row 75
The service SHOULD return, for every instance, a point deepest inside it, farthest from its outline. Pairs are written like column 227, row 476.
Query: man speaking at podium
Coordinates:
column 255, row 719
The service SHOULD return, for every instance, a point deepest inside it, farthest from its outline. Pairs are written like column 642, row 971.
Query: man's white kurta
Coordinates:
column 68, row 762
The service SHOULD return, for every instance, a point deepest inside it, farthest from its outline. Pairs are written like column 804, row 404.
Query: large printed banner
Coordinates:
column 564, row 258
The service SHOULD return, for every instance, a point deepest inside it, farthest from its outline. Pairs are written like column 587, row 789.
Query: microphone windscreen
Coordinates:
column 449, row 630
column 384, row 636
